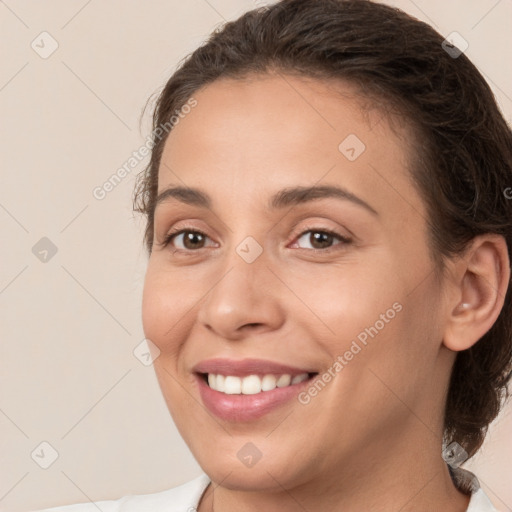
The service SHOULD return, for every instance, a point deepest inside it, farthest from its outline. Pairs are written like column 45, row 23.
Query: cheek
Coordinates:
column 164, row 309
column 380, row 308
column 400, row 350
column 165, row 322
column 152, row 309
column 346, row 299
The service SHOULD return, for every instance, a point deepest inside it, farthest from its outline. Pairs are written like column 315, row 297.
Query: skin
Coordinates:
column 371, row 439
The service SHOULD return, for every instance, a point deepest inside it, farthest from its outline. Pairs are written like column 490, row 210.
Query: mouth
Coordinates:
column 253, row 384
column 242, row 391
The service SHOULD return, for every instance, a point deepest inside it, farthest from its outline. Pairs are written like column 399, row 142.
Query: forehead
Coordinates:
column 259, row 134
column 278, row 109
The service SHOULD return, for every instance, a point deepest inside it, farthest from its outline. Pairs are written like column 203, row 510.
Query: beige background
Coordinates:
column 69, row 325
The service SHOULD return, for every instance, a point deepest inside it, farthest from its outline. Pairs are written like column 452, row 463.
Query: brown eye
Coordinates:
column 193, row 240
column 187, row 240
column 320, row 239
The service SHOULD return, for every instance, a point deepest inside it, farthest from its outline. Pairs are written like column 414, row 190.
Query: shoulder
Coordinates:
column 177, row 499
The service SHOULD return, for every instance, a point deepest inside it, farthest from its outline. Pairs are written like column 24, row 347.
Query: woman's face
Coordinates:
column 272, row 264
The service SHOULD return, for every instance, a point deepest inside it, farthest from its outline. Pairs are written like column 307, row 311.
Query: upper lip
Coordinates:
column 245, row 367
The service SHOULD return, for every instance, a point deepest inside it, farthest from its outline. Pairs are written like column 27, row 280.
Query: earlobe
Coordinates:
column 483, row 277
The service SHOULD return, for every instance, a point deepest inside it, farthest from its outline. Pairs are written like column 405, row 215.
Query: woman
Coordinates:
column 327, row 293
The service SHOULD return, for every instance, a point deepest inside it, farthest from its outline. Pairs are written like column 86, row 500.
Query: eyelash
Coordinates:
column 343, row 239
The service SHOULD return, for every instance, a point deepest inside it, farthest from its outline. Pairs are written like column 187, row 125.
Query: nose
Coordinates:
column 246, row 298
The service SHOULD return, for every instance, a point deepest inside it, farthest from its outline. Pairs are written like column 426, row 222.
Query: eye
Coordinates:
column 312, row 238
column 186, row 239
column 320, row 239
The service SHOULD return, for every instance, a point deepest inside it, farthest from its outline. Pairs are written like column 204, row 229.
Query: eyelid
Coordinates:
column 344, row 239
column 168, row 237
column 298, row 233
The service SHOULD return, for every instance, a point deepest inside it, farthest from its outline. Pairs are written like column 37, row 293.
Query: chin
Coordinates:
column 270, row 472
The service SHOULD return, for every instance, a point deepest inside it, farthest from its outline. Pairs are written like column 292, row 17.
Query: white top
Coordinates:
column 186, row 497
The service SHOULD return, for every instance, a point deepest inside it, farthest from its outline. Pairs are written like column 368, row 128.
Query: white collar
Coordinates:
column 468, row 483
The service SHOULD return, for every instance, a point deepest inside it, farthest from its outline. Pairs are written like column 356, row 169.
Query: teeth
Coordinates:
column 220, row 383
column 268, row 383
column 252, row 384
column 284, row 380
column 232, row 385
column 299, row 378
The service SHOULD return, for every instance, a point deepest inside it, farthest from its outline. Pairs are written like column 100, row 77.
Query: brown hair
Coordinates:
column 463, row 153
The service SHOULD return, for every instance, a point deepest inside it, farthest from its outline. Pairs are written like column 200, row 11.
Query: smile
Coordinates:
column 246, row 390
column 252, row 384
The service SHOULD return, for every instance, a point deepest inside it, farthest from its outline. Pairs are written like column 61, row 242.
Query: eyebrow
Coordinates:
column 290, row 196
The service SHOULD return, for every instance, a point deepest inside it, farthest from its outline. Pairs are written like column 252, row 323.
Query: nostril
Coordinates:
column 255, row 324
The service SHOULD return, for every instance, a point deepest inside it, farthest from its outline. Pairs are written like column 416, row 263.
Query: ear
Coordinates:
column 482, row 276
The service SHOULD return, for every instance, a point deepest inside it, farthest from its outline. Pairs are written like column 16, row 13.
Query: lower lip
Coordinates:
column 240, row 408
